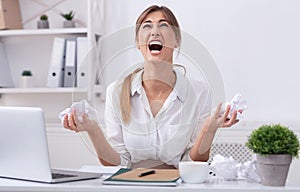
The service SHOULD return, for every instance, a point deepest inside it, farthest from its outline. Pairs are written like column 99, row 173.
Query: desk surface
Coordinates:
column 95, row 185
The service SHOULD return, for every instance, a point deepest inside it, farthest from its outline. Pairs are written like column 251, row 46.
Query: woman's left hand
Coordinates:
column 216, row 120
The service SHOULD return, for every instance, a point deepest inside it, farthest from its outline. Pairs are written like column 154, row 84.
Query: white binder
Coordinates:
column 56, row 68
column 70, row 64
column 82, row 62
column 5, row 74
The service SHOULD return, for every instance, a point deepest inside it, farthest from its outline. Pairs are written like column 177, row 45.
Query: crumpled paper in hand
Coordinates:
column 81, row 108
column 236, row 104
column 229, row 169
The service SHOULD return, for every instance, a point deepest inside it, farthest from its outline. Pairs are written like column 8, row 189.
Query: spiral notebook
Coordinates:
column 160, row 177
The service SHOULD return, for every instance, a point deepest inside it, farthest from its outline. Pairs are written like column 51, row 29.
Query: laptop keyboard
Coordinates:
column 60, row 175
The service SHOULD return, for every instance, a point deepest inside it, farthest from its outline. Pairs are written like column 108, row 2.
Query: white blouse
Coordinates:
column 166, row 138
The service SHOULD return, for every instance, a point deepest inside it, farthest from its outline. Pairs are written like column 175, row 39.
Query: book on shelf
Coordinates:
column 57, row 62
column 70, row 64
column 157, row 177
column 82, row 62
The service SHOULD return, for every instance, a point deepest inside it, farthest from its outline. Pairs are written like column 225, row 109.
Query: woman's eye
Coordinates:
column 146, row 26
column 164, row 25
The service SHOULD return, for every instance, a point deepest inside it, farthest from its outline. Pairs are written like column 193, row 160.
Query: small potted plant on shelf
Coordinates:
column 43, row 22
column 68, row 23
column 275, row 146
column 26, row 79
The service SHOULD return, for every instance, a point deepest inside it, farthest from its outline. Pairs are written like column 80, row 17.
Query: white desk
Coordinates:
column 95, row 185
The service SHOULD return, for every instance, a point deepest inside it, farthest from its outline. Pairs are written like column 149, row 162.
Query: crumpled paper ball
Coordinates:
column 224, row 167
column 237, row 104
column 248, row 171
column 228, row 169
column 81, row 108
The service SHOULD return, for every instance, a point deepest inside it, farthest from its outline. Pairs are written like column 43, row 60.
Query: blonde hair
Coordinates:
column 125, row 103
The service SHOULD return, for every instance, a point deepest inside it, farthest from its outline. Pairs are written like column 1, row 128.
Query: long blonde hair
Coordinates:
column 125, row 103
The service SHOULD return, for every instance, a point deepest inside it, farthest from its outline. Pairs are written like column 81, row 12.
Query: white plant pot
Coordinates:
column 26, row 82
column 273, row 169
column 69, row 24
column 43, row 24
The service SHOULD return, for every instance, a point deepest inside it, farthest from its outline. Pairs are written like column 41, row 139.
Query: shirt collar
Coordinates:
column 181, row 85
column 180, row 88
column 136, row 84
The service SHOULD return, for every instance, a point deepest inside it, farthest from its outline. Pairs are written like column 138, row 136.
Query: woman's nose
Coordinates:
column 155, row 31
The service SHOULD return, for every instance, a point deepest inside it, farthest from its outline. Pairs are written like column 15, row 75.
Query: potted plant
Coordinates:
column 68, row 23
column 26, row 79
column 43, row 22
column 275, row 146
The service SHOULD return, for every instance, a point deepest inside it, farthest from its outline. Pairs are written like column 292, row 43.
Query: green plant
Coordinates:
column 44, row 17
column 68, row 16
column 26, row 73
column 273, row 139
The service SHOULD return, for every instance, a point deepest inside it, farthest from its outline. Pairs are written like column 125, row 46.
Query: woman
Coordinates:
column 155, row 117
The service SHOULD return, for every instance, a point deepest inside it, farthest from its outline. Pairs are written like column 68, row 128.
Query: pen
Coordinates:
column 146, row 173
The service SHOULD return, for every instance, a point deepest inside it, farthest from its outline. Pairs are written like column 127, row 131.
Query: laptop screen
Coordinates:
column 23, row 144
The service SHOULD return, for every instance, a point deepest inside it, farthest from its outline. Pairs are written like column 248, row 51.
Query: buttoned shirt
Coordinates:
column 166, row 137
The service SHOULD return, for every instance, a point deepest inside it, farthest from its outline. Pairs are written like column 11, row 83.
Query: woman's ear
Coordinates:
column 176, row 44
column 137, row 44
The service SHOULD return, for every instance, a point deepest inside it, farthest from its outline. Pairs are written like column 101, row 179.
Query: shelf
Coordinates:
column 28, row 32
column 42, row 90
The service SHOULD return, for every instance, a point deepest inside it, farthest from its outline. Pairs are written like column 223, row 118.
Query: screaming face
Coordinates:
column 156, row 38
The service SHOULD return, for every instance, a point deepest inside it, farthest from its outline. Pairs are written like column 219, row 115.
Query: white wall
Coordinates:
column 255, row 44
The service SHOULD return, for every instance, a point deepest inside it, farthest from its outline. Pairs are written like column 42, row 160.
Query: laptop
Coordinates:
column 24, row 149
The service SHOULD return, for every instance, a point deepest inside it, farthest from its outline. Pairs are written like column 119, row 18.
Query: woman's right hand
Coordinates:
column 72, row 122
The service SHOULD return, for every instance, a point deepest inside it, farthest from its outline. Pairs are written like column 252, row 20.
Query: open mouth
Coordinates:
column 155, row 46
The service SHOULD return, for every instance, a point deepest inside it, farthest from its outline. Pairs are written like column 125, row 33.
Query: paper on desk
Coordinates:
column 224, row 167
column 107, row 170
column 81, row 108
column 248, row 171
column 228, row 169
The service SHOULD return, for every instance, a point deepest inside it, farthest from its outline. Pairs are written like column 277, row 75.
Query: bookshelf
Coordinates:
column 31, row 48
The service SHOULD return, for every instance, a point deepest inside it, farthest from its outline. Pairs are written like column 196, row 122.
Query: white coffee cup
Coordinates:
column 193, row 171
